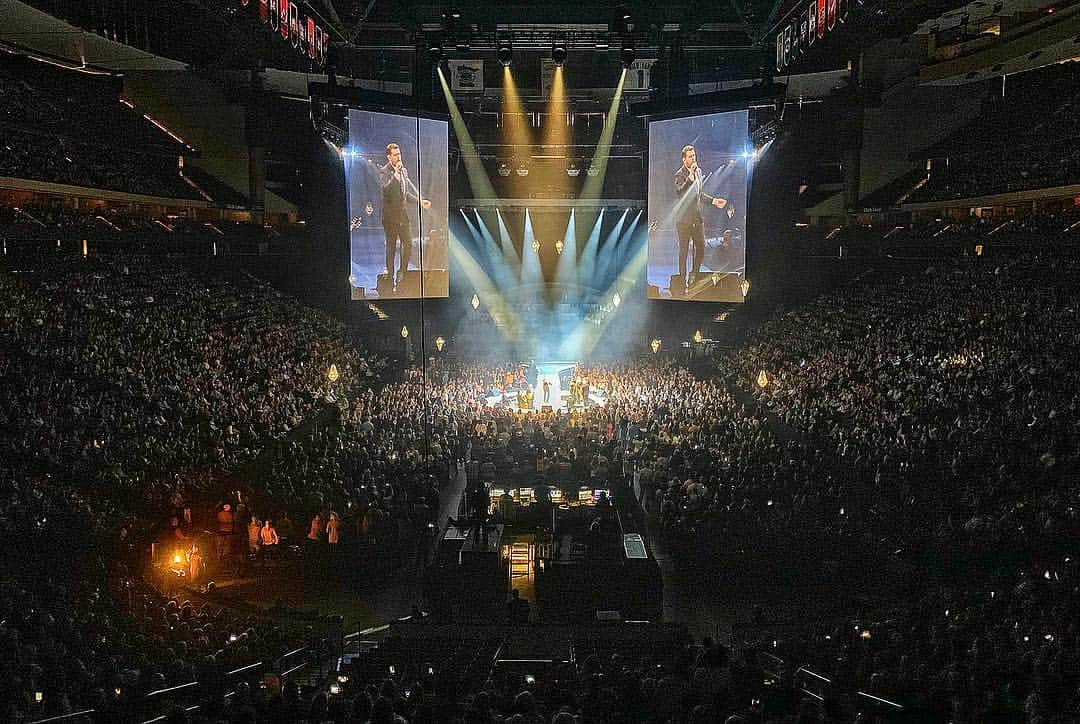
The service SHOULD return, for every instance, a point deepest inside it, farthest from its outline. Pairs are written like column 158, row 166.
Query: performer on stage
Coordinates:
column 690, row 225
column 397, row 190
column 547, row 391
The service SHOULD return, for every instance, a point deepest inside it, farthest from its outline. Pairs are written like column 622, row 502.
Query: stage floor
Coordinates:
column 557, row 397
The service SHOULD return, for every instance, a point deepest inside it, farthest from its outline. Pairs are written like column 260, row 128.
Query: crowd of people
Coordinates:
column 951, row 399
column 930, row 414
column 130, row 384
column 62, row 128
column 68, row 130
column 1023, row 139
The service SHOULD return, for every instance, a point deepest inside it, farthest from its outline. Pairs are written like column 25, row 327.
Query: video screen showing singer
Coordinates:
column 396, row 177
column 698, row 174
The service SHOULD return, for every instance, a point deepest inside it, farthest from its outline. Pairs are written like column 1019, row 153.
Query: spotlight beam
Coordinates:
column 588, row 334
column 606, row 255
column 474, row 167
column 566, row 273
column 503, row 277
column 489, row 294
column 594, row 185
column 506, row 243
column 515, row 131
column 532, row 275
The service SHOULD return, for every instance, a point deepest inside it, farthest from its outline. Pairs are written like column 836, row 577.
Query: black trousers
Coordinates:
column 687, row 232
column 398, row 231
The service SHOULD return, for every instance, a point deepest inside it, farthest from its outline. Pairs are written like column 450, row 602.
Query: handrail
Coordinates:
column 292, row 653
column 170, row 689
column 294, row 669
column 62, row 717
column 174, row 689
column 163, row 717
column 879, row 699
column 242, row 669
column 805, row 670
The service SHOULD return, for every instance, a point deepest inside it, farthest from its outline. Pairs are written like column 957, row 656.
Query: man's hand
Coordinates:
column 424, row 203
column 719, row 203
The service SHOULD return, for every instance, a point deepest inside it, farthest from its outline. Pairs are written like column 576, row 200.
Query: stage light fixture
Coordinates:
column 523, row 169
column 475, row 302
column 505, row 53
column 435, row 51
column 573, row 169
column 628, row 54
column 504, row 169
column 404, row 332
column 332, row 374
column 762, row 379
column 536, row 246
column 558, row 54
column 655, row 344
column 559, row 246
column 440, row 343
column 744, row 285
column 594, row 168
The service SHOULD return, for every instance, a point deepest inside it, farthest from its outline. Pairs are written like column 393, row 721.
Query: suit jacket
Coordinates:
column 395, row 194
column 691, row 211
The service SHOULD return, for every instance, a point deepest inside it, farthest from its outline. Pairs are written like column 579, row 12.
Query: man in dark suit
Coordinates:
column 689, row 223
column 397, row 190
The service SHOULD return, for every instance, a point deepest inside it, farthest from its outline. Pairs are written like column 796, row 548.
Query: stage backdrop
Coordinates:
column 397, row 217
column 698, row 216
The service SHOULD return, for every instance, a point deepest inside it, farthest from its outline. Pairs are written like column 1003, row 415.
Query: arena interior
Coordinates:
column 416, row 362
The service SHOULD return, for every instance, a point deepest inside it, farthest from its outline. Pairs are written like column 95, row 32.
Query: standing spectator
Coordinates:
column 253, row 529
column 225, row 520
column 315, row 530
column 268, row 536
column 333, row 529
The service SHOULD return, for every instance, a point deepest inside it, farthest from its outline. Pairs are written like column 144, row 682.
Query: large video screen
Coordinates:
column 396, row 181
column 699, row 169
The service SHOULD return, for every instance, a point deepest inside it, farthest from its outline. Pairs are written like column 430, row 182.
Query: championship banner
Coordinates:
column 466, row 76
column 307, row 37
column 812, row 21
column 639, row 75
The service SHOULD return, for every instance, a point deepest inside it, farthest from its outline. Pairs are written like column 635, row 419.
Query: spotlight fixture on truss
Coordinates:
column 435, row 51
column 505, row 53
column 558, row 53
column 628, row 54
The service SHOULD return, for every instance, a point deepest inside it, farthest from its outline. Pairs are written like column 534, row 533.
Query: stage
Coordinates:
column 558, row 376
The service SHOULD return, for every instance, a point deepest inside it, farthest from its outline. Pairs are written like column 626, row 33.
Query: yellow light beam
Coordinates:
column 557, row 139
column 515, row 130
column 594, row 185
column 474, row 166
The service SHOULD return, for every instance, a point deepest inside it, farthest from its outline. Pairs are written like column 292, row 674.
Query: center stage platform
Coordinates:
column 558, row 376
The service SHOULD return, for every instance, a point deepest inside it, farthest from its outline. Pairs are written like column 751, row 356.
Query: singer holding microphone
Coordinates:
column 397, row 190
column 689, row 223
